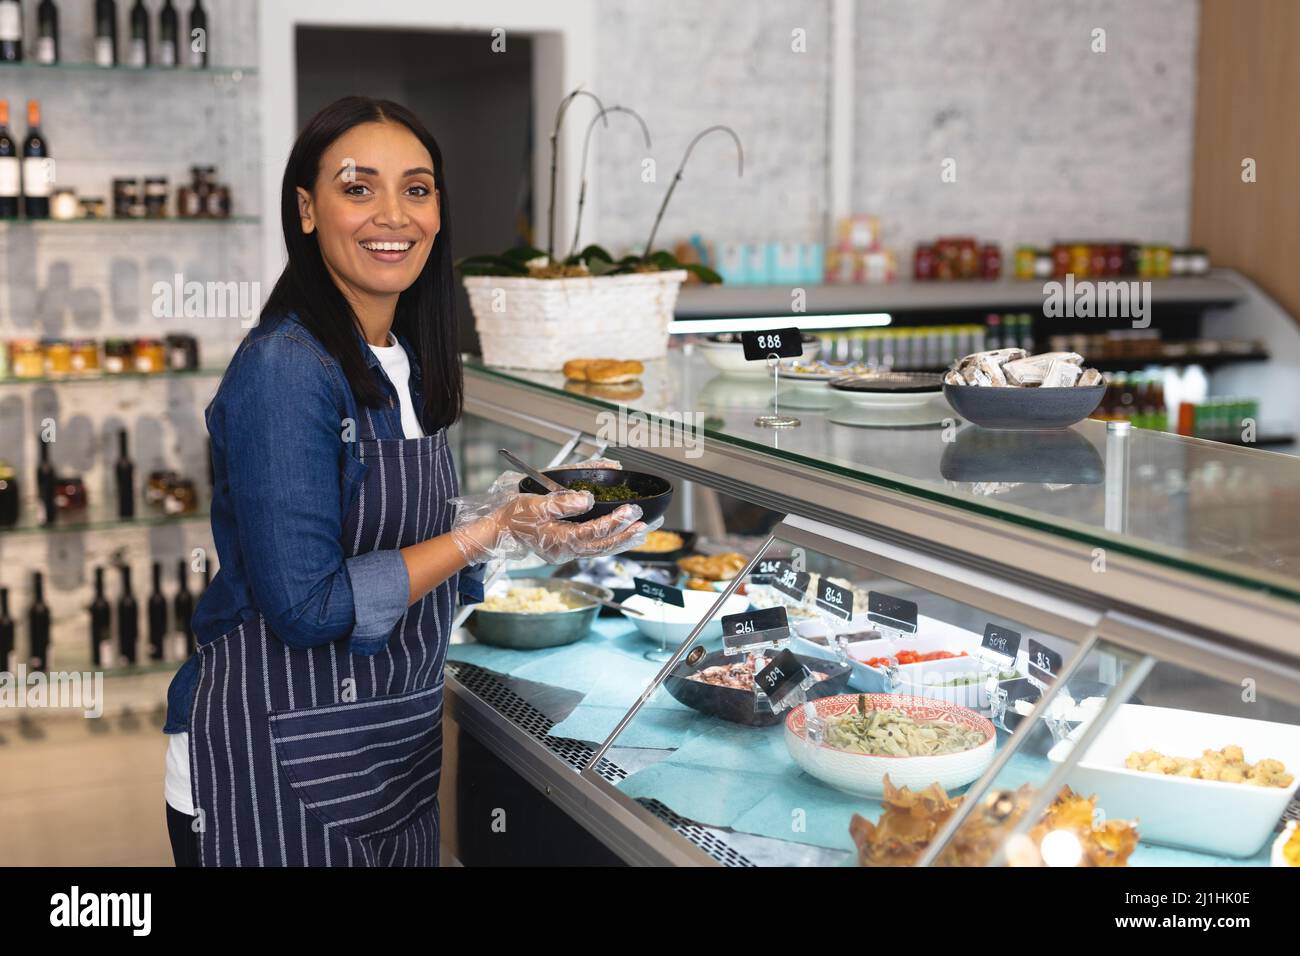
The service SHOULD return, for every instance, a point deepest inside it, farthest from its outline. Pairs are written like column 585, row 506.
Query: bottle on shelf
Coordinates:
column 101, row 627
column 11, row 31
column 168, row 35
column 45, row 485
column 183, row 605
column 38, row 626
column 106, row 32
column 6, row 631
column 128, row 619
column 124, row 473
column 157, row 614
column 197, row 42
column 38, row 167
column 47, row 33
column 11, row 178
column 137, row 50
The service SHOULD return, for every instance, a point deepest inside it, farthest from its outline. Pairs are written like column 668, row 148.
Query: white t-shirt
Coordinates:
column 176, row 780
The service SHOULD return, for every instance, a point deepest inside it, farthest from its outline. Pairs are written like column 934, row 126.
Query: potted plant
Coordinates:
column 535, row 309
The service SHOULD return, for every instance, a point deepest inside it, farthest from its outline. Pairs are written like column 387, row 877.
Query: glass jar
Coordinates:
column 158, row 487
column 155, row 197
column 93, row 207
column 150, row 356
column 126, row 196
column 58, row 357
column 28, row 359
column 118, row 356
column 85, row 356
column 69, row 495
column 181, row 498
column 63, row 205
column 182, row 353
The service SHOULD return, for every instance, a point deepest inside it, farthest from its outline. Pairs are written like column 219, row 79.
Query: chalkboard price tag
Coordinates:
column 835, row 599
column 785, row 343
column 1044, row 663
column 1001, row 640
column 791, row 582
column 765, row 570
column 750, row 622
column 661, row 592
column 1020, row 689
column 781, row 676
column 889, row 611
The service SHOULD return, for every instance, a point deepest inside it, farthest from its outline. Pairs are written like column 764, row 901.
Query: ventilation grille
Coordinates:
column 489, row 687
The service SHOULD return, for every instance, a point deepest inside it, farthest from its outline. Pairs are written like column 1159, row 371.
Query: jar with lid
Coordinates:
column 158, row 487
column 182, row 353
column 58, row 357
column 93, row 207
column 9, row 497
column 126, row 198
column 181, row 498
column 118, row 356
column 28, row 359
column 69, row 494
column 155, row 197
column 85, row 356
column 150, row 356
column 63, row 205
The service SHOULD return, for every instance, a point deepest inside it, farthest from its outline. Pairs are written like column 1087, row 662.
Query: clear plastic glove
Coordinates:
column 503, row 523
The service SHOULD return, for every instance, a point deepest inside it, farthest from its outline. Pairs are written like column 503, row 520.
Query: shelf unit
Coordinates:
column 104, row 377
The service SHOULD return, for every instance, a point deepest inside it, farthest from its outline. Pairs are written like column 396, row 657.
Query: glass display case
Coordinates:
column 1079, row 647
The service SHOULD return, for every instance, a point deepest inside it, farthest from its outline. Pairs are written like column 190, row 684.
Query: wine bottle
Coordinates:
column 47, row 33
column 128, row 619
column 11, row 31
column 183, row 605
column 45, row 485
column 6, row 631
column 38, row 626
column 157, row 615
column 137, row 51
column 11, row 176
column 124, row 472
column 169, row 29
column 101, row 627
column 106, row 32
column 198, row 36
column 38, row 167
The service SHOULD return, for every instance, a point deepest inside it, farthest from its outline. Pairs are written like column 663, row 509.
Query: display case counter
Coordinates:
column 1153, row 581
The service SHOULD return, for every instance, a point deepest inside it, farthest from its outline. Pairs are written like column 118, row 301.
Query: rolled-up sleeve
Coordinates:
column 285, row 451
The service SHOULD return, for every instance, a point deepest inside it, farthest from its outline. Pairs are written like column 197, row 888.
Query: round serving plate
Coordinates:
column 888, row 389
column 930, row 413
column 864, row 774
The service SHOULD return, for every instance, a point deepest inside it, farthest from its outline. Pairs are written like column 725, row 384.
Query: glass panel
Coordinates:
column 1209, row 507
column 887, row 680
column 1191, row 770
column 568, row 678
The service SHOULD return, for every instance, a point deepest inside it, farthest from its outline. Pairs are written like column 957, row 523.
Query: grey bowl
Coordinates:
column 1023, row 408
column 527, row 632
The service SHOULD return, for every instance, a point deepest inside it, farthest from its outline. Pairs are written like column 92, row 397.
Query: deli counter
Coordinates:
column 1075, row 647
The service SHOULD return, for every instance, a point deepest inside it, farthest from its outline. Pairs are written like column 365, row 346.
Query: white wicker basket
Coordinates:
column 542, row 323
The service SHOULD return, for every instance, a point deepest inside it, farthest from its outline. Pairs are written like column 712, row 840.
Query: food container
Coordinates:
column 63, row 205
column 150, row 356
column 1028, row 408
column 126, row 197
column 735, row 704
column 687, row 547
column 155, row 197
column 182, row 353
column 669, row 624
column 1279, row 857
column 864, row 774
column 524, row 631
column 930, row 679
column 57, row 357
column 653, row 494
column 1229, row 819
column 180, row 498
column 69, row 495
column 93, row 207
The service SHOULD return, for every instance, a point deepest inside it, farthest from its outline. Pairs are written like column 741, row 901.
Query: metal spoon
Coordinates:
column 532, row 472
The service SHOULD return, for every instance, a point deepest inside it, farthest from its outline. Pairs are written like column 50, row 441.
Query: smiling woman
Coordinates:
column 307, row 727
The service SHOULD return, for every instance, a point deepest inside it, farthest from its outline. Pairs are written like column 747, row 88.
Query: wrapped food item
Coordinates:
column 1061, row 375
column 999, row 368
column 1090, row 376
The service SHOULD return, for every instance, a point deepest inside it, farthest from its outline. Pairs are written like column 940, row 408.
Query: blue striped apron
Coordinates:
column 321, row 757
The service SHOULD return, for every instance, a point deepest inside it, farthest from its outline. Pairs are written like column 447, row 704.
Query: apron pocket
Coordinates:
column 367, row 768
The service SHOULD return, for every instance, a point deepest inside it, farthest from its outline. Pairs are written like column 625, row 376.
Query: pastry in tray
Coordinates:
column 713, row 567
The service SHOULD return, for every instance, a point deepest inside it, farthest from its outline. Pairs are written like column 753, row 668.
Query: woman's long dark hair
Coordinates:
column 425, row 312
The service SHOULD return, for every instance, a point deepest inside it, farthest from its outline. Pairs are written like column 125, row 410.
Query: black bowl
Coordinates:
column 653, row 493
column 1024, row 408
column 737, row 706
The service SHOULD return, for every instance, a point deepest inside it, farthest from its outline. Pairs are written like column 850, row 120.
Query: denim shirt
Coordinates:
column 278, row 458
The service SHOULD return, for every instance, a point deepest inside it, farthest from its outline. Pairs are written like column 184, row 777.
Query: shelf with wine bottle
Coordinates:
column 78, row 378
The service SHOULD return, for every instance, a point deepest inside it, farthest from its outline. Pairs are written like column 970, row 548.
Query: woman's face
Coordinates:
column 374, row 209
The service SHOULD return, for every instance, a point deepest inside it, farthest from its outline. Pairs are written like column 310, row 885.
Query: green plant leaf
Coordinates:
column 594, row 252
column 522, row 253
column 664, row 260
column 601, row 267
column 704, row 273
column 491, row 265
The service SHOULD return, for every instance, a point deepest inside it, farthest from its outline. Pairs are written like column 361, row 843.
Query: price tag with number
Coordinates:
column 892, row 612
column 765, row 570
column 1044, row 664
column 785, row 343
column 781, row 677
column 835, row 599
column 791, row 582
column 751, row 622
column 659, row 592
column 1001, row 640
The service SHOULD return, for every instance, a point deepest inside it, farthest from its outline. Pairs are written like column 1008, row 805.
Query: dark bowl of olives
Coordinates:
column 610, row 487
